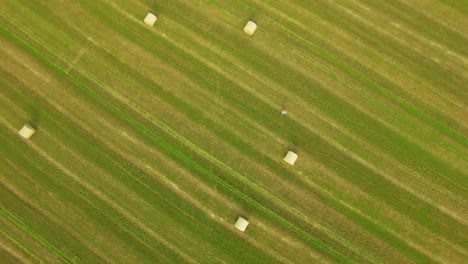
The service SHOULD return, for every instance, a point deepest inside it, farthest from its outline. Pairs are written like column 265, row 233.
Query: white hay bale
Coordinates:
column 250, row 27
column 241, row 223
column 27, row 131
column 290, row 157
column 150, row 19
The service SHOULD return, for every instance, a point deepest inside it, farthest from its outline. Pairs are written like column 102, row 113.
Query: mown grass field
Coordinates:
column 151, row 142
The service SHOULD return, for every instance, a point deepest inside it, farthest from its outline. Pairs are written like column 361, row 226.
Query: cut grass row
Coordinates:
column 422, row 132
column 372, row 80
column 286, row 22
column 92, row 209
column 75, row 190
column 192, row 165
column 85, row 149
column 359, row 126
column 229, row 97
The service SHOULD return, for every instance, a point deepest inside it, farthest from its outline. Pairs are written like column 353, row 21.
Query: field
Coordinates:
column 151, row 141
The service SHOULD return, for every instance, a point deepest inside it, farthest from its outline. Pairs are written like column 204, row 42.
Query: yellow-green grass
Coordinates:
column 151, row 141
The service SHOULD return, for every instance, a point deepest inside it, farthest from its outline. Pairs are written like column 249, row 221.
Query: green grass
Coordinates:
column 333, row 206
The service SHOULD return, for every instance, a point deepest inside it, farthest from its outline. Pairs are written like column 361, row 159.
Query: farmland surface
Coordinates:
column 151, row 141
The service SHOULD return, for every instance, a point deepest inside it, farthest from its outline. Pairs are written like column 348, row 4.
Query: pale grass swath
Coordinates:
column 151, row 141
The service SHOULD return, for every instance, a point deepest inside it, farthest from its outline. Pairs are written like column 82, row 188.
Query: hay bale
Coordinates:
column 241, row 223
column 27, row 131
column 150, row 19
column 290, row 157
column 250, row 27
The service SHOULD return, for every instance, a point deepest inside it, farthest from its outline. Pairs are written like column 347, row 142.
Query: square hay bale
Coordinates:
column 290, row 157
column 241, row 223
column 250, row 27
column 150, row 19
column 27, row 131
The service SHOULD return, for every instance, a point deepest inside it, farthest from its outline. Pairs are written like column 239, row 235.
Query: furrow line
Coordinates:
column 47, row 213
column 14, row 252
column 20, row 224
column 21, row 245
